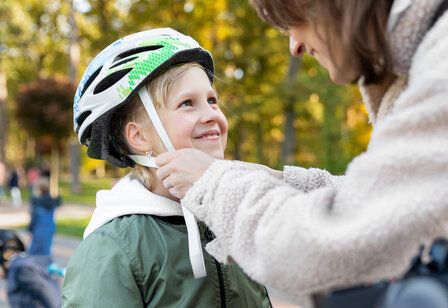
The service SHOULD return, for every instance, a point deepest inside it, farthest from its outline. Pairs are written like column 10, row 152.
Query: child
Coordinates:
column 141, row 249
column 29, row 282
column 42, row 225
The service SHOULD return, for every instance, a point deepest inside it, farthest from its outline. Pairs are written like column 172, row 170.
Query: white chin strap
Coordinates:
column 194, row 239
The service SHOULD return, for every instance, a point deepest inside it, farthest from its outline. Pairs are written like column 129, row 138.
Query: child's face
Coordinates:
column 191, row 115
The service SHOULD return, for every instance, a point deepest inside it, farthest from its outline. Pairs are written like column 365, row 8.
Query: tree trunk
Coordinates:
column 75, row 148
column 3, row 114
column 289, row 141
column 54, row 175
column 75, row 162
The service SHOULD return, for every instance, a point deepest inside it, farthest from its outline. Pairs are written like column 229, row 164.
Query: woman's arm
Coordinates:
column 307, row 180
column 368, row 227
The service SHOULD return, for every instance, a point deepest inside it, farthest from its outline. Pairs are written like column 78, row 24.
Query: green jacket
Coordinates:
column 142, row 261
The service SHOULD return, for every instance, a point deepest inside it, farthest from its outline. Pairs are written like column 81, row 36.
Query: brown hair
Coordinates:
column 358, row 27
column 134, row 111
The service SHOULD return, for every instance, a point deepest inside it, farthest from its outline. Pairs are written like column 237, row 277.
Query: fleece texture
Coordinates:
column 314, row 232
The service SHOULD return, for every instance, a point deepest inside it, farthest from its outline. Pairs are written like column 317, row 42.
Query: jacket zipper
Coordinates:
column 221, row 284
column 222, row 291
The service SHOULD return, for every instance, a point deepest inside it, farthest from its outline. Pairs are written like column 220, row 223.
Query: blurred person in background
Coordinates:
column 14, row 188
column 29, row 282
column 42, row 225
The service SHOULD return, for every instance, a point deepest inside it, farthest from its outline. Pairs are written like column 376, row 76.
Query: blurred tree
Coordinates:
column 3, row 116
column 276, row 116
column 74, row 146
column 44, row 108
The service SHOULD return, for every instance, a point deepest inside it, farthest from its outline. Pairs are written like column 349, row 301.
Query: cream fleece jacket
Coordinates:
column 314, row 232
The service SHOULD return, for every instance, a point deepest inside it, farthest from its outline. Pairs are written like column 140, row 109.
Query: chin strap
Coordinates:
column 194, row 238
column 144, row 160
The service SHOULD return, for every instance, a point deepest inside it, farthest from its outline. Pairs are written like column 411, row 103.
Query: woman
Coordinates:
column 301, row 231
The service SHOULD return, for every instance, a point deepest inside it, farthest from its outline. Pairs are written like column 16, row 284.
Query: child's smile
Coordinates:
column 192, row 117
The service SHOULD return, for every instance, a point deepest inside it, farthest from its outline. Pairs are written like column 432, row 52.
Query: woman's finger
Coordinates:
column 173, row 191
column 165, row 158
column 163, row 172
column 167, row 183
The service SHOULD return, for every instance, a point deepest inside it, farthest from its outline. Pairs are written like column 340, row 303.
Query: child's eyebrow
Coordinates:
column 191, row 94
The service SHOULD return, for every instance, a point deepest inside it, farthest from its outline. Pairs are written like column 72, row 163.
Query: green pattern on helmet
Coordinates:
column 155, row 58
column 123, row 92
column 148, row 61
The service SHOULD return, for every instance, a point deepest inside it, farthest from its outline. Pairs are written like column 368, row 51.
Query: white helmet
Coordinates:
column 113, row 78
column 117, row 74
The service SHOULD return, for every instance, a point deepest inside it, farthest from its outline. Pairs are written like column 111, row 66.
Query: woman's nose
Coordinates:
column 296, row 48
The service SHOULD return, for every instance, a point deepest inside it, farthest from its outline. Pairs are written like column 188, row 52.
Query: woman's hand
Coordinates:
column 180, row 169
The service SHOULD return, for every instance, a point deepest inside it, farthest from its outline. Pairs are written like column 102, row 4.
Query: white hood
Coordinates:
column 128, row 197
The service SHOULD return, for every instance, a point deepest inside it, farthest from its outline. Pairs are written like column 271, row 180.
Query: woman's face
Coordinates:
column 308, row 38
column 191, row 115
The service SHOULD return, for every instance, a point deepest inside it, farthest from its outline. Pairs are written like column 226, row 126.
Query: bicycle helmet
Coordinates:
column 117, row 74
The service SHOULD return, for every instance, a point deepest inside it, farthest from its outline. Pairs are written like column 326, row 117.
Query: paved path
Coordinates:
column 63, row 246
column 12, row 217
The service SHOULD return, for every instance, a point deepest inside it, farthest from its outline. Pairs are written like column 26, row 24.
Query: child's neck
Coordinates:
column 158, row 189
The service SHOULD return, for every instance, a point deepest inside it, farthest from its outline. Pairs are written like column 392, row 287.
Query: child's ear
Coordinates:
column 136, row 137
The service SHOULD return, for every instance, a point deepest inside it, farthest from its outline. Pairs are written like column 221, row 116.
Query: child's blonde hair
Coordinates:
column 134, row 111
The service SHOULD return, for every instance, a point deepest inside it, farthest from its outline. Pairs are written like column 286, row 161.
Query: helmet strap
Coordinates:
column 154, row 116
column 148, row 160
column 194, row 239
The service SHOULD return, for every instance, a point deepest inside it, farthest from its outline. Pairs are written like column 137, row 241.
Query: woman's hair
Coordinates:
column 134, row 111
column 358, row 27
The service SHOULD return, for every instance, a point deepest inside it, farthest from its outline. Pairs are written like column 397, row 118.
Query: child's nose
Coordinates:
column 209, row 114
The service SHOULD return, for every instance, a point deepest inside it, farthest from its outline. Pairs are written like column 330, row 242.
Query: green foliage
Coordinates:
column 72, row 227
column 89, row 188
column 251, row 59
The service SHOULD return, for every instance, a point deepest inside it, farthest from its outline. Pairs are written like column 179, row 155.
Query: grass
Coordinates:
column 72, row 227
column 89, row 189
column 87, row 196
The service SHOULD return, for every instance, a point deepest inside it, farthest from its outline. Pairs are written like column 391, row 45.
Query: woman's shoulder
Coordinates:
column 430, row 59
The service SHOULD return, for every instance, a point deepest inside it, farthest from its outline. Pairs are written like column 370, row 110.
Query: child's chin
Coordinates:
column 218, row 154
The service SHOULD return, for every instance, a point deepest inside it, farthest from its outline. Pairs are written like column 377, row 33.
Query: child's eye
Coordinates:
column 212, row 100
column 186, row 103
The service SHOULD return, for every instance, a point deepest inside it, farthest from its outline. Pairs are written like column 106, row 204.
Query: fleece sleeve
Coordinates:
column 368, row 227
column 307, row 180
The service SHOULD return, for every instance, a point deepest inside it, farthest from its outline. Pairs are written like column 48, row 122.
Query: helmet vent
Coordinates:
column 90, row 80
column 137, row 50
column 110, row 80
column 81, row 119
column 123, row 61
